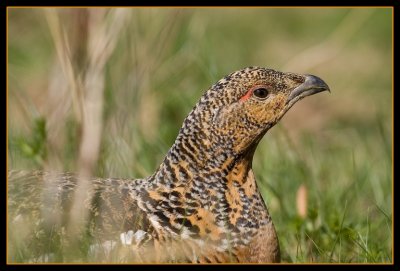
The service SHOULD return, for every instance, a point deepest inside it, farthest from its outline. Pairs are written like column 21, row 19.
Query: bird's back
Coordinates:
column 39, row 214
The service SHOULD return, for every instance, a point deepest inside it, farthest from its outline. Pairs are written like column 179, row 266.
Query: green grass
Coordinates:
column 338, row 145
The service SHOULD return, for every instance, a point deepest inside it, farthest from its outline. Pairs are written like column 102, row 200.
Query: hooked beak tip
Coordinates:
column 311, row 86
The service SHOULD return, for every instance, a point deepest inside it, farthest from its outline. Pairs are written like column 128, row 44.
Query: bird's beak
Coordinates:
column 311, row 85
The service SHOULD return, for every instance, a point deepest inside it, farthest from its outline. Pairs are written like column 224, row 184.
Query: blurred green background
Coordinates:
column 337, row 146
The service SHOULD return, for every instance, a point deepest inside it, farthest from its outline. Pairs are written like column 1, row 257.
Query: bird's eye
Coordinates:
column 261, row 93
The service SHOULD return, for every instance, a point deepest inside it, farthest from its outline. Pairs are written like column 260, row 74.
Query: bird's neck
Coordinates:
column 197, row 156
column 211, row 186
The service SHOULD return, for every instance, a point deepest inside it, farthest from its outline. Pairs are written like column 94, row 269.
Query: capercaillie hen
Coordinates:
column 201, row 205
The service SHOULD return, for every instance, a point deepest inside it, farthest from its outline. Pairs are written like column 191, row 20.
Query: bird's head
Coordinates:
column 239, row 109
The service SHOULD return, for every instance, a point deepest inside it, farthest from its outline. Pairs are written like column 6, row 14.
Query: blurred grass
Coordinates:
column 337, row 145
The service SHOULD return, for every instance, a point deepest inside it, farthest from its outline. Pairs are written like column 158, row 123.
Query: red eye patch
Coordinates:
column 250, row 92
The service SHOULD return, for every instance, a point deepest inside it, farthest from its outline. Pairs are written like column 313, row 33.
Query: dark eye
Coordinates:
column 261, row 93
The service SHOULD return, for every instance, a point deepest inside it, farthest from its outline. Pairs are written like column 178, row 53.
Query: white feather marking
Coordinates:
column 126, row 238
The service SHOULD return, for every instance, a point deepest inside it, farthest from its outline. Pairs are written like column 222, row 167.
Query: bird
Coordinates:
column 201, row 205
